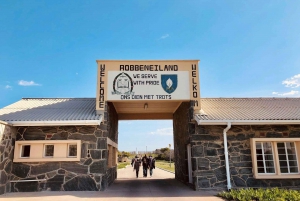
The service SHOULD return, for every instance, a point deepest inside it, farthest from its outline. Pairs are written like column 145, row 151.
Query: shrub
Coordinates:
column 270, row 194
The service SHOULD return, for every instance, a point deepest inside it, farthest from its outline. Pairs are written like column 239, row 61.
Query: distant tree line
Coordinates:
column 159, row 154
column 124, row 154
column 164, row 154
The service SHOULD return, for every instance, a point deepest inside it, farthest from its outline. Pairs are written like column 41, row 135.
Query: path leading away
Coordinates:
column 161, row 187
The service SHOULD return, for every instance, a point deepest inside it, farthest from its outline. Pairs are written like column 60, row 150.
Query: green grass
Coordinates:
column 122, row 164
column 165, row 165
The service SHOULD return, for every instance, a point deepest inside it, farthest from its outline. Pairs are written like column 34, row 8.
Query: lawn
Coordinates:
column 122, row 164
column 165, row 165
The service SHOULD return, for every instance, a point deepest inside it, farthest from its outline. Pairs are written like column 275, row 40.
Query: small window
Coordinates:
column 72, row 150
column 49, row 150
column 25, row 151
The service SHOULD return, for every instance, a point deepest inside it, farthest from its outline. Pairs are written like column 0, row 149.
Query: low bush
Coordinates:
column 270, row 194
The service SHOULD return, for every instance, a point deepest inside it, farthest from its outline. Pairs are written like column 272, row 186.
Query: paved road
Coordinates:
column 161, row 187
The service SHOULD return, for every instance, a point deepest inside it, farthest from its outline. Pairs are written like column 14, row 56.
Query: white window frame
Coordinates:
column 277, row 174
column 44, row 154
column 287, row 158
column 264, row 158
column 69, row 150
column 21, row 150
column 37, row 150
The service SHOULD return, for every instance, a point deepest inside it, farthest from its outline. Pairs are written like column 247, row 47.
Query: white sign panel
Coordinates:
column 135, row 85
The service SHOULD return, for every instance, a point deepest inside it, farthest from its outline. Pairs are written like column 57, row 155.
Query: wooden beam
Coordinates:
column 143, row 116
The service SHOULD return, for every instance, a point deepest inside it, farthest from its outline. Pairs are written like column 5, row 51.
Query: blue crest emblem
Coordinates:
column 169, row 83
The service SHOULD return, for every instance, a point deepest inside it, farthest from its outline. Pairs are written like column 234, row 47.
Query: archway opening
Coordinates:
column 147, row 137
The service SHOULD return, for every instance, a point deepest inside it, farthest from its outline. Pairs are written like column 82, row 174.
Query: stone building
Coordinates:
column 70, row 144
column 260, row 135
column 263, row 142
column 57, row 144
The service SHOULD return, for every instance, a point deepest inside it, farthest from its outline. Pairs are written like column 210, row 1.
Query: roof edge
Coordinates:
column 53, row 98
column 56, row 123
column 245, row 122
column 256, row 98
column 162, row 60
column 4, row 123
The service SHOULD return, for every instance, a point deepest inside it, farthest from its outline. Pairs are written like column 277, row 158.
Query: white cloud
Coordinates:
column 163, row 131
column 293, row 82
column 164, row 36
column 8, row 87
column 28, row 83
column 291, row 93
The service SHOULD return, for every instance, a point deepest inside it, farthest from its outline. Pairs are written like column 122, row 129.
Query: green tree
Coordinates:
column 123, row 154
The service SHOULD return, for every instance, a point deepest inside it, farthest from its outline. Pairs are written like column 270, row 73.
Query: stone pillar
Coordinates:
column 182, row 128
column 115, row 156
column 7, row 141
column 110, row 156
column 111, row 119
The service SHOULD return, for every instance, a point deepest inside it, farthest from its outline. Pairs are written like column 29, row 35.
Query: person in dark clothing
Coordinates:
column 132, row 162
column 151, row 165
column 136, row 166
column 145, row 162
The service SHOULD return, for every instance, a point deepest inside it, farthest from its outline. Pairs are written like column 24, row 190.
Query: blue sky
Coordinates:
column 246, row 48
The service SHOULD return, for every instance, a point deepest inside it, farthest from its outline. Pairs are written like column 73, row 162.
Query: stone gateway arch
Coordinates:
column 140, row 90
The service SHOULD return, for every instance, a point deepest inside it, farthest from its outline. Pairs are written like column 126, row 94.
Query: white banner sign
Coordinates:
column 135, row 85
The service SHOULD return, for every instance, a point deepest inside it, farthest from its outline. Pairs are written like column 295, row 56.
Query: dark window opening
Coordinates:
column 25, row 151
column 72, row 150
column 49, row 150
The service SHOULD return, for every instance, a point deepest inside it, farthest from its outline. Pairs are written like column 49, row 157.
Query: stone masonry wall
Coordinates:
column 111, row 118
column 182, row 127
column 7, row 141
column 208, row 159
column 89, row 174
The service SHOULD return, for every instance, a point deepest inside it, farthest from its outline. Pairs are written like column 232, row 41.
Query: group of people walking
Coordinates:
column 146, row 162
